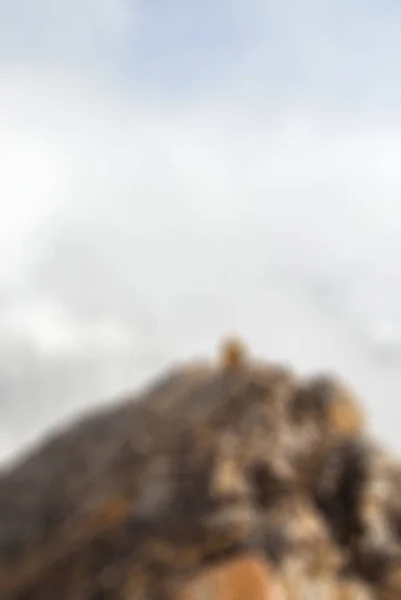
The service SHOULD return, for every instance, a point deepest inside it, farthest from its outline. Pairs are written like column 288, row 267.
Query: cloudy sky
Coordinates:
column 231, row 165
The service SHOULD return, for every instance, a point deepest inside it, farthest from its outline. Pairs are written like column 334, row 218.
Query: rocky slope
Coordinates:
column 215, row 461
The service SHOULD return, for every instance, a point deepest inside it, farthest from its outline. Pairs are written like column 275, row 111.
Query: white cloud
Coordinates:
column 197, row 205
column 302, row 184
column 31, row 180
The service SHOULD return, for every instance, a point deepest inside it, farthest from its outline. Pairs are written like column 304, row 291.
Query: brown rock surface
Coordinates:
column 212, row 462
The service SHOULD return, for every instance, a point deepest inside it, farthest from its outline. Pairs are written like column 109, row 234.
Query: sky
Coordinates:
column 215, row 165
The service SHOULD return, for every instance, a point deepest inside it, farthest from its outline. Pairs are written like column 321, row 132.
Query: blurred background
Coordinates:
column 173, row 171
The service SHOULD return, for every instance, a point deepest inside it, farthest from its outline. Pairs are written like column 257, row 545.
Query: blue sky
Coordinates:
column 330, row 55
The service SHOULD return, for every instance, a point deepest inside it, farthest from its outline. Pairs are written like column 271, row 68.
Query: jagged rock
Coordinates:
column 213, row 461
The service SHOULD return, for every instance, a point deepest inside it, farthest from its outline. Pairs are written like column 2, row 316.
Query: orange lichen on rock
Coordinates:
column 345, row 417
column 245, row 578
column 252, row 578
column 233, row 352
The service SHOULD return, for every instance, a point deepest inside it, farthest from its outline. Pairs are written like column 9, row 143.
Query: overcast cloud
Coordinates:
column 172, row 171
